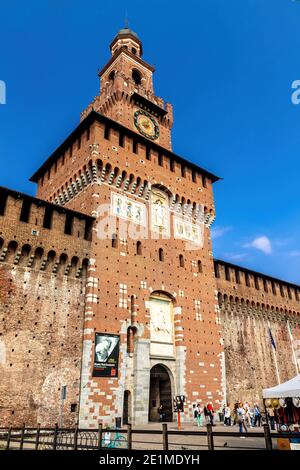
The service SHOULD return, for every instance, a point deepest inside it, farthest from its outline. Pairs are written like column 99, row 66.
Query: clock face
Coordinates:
column 146, row 124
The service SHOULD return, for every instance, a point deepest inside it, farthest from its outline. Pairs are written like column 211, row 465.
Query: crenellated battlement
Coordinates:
column 16, row 253
column 37, row 218
column 245, row 285
column 99, row 135
column 125, row 90
column 38, row 235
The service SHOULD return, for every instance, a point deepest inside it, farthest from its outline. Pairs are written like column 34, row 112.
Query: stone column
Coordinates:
column 141, row 381
column 180, row 373
column 180, row 370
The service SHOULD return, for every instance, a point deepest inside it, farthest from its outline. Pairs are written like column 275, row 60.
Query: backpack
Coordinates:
column 239, row 416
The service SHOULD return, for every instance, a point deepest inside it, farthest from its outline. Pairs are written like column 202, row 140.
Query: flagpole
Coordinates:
column 275, row 358
column 292, row 344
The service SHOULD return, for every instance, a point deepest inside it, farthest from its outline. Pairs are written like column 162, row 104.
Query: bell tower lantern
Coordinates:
column 127, row 94
column 129, row 40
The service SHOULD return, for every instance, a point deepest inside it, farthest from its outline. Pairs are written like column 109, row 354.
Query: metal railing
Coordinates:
column 119, row 439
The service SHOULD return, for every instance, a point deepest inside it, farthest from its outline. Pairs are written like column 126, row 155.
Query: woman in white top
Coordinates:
column 227, row 420
column 240, row 412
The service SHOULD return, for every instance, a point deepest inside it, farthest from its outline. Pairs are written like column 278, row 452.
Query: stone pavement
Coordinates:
column 189, row 442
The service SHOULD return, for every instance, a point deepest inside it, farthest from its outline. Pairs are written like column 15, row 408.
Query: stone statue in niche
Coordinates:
column 160, row 218
column 159, row 213
column 129, row 210
column 119, row 206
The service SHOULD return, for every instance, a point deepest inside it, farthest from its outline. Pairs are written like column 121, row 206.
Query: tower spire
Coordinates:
column 126, row 22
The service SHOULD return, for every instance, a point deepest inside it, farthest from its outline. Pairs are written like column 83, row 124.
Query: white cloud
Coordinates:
column 261, row 243
column 294, row 253
column 218, row 232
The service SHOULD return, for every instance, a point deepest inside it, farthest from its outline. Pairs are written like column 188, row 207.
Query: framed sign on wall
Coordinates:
column 106, row 355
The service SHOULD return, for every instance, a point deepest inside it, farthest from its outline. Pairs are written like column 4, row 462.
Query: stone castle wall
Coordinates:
column 248, row 313
column 42, row 299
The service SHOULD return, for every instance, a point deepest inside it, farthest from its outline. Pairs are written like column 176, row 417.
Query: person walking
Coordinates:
column 271, row 416
column 251, row 414
column 161, row 413
column 227, row 415
column 206, row 415
column 236, row 405
column 257, row 415
column 199, row 415
column 211, row 413
column 247, row 414
column 241, row 419
column 195, row 412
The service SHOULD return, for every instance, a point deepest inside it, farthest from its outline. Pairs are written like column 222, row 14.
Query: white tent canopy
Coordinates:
column 291, row 389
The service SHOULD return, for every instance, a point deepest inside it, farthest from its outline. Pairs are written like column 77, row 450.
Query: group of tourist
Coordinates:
column 242, row 414
column 205, row 415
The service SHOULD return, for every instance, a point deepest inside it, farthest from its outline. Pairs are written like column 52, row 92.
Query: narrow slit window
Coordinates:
column 106, row 132
column 121, row 139
column 25, row 211
column 114, row 241
column 217, row 270
column 47, row 223
column 69, row 224
column 181, row 261
column 148, row 157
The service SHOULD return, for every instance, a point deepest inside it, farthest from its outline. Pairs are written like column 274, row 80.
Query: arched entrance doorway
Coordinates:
column 160, row 393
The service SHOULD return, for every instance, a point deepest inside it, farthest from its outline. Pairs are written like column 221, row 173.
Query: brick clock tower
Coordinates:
column 151, row 322
column 126, row 92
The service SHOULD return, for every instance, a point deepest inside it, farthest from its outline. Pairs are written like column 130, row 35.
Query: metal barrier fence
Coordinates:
column 145, row 439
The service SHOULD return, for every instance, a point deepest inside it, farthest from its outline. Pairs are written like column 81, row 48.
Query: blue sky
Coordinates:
column 226, row 65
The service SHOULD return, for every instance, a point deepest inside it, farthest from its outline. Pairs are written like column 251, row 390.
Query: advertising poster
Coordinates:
column 106, row 355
